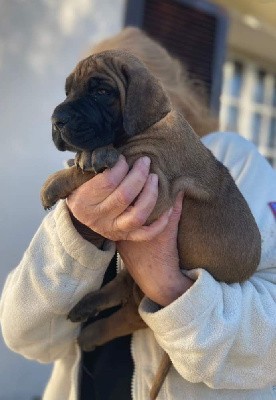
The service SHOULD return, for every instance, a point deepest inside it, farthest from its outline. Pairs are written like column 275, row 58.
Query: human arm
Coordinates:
column 57, row 270
column 60, row 267
column 154, row 264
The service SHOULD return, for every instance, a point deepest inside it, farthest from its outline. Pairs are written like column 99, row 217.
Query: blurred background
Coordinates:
column 228, row 45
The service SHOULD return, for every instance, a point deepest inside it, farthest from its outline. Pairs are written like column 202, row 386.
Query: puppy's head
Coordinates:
column 110, row 97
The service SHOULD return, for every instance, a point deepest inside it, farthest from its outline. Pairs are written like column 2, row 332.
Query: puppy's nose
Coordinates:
column 60, row 118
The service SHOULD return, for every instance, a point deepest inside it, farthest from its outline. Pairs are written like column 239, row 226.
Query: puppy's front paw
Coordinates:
column 52, row 190
column 61, row 184
column 83, row 160
column 98, row 160
column 104, row 157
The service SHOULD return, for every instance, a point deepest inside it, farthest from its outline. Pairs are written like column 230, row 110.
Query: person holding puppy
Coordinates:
column 220, row 337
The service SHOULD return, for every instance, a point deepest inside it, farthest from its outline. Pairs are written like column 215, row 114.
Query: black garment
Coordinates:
column 106, row 372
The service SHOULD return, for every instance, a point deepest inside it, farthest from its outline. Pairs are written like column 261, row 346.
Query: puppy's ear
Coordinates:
column 145, row 103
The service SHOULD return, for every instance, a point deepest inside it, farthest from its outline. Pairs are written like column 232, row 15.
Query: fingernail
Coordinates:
column 121, row 157
column 153, row 179
column 145, row 160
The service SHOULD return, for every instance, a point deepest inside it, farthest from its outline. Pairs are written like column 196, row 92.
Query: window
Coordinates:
column 193, row 31
column 248, row 104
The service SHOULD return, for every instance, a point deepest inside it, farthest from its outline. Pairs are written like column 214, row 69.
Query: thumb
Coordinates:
column 177, row 208
column 171, row 230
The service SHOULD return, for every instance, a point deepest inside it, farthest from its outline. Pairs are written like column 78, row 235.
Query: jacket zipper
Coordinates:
column 134, row 368
column 118, row 263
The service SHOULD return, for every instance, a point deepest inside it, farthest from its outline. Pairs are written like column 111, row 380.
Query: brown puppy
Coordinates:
column 113, row 99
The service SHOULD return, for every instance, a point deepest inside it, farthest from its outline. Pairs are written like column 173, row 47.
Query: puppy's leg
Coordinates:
column 123, row 322
column 60, row 184
column 116, row 292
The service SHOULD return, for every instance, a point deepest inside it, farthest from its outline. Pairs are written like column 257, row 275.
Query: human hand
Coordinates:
column 154, row 264
column 104, row 203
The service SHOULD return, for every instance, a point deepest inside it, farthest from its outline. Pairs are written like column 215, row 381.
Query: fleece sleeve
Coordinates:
column 56, row 271
column 224, row 335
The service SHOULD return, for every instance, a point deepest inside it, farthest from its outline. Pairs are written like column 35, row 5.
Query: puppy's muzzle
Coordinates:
column 60, row 118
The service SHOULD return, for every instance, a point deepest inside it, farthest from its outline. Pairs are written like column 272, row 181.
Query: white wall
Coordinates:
column 40, row 42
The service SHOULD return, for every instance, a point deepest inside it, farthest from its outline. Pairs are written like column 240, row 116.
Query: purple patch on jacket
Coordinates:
column 272, row 205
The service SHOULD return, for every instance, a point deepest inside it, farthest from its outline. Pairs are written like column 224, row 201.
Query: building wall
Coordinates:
column 40, row 42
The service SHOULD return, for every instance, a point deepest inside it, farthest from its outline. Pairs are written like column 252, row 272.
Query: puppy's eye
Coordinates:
column 102, row 91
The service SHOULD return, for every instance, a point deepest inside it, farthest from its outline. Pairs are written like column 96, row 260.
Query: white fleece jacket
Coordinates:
column 221, row 338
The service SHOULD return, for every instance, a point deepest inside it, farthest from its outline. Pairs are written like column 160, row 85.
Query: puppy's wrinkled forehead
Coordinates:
column 107, row 66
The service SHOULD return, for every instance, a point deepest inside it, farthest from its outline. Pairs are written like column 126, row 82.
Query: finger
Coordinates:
column 120, row 199
column 136, row 216
column 147, row 233
column 102, row 185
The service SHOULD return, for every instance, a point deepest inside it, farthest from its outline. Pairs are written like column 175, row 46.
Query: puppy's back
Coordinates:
column 217, row 230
